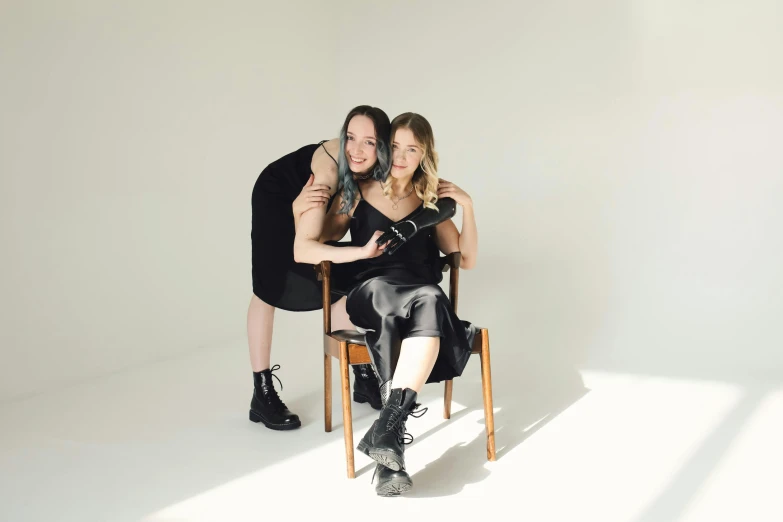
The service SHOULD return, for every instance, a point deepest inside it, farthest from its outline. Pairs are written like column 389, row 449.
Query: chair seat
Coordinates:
column 350, row 336
column 354, row 337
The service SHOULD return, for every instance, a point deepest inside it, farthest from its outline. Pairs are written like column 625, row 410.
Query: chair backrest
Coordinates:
column 452, row 261
column 324, row 272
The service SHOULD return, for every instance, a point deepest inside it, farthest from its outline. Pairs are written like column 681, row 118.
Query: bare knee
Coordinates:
column 340, row 318
column 258, row 306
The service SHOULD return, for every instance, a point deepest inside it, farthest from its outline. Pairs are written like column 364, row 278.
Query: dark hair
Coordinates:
column 381, row 168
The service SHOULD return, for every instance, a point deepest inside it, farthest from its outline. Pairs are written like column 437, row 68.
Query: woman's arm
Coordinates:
column 308, row 249
column 402, row 231
column 468, row 238
column 311, row 196
column 314, row 196
column 448, row 238
column 336, row 224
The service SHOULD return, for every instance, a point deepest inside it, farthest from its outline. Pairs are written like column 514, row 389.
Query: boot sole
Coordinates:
column 386, row 458
column 394, row 488
column 364, row 448
column 255, row 417
column 363, row 399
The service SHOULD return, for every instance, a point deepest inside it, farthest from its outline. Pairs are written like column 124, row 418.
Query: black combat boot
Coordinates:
column 266, row 406
column 391, row 483
column 385, row 441
column 366, row 442
column 366, row 387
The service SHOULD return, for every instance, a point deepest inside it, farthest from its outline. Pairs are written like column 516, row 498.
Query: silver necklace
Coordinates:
column 395, row 203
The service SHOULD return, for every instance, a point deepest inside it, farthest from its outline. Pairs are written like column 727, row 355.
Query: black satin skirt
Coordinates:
column 399, row 305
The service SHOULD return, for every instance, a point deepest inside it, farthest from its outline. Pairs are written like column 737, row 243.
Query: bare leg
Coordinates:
column 384, row 442
column 266, row 406
column 260, row 321
column 417, row 357
column 340, row 319
column 366, row 388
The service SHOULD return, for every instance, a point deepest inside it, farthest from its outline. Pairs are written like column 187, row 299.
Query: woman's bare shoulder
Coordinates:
column 324, row 164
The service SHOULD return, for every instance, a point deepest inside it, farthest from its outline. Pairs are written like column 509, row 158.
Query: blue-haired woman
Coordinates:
column 307, row 178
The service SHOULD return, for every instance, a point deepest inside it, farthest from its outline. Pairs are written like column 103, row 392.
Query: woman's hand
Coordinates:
column 447, row 189
column 311, row 196
column 372, row 248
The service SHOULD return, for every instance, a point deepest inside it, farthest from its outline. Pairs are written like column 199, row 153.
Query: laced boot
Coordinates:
column 391, row 483
column 366, row 387
column 267, row 407
column 386, row 439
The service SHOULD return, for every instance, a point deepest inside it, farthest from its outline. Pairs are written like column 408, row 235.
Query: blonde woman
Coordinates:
column 411, row 332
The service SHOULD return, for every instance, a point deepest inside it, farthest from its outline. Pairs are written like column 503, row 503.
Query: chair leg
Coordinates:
column 486, row 385
column 447, row 389
column 345, row 381
column 327, row 393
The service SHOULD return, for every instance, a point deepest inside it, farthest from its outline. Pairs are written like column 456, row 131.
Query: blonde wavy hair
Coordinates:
column 425, row 179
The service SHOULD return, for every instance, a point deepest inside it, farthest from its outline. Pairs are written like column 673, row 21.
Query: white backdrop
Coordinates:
column 131, row 137
column 624, row 159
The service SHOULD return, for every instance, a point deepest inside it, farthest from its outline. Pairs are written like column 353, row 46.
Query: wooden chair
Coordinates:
column 347, row 346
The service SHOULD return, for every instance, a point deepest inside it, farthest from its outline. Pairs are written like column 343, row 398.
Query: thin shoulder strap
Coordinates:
column 326, row 151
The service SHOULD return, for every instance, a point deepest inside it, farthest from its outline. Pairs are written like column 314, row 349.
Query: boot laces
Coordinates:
column 270, row 394
column 396, row 417
column 397, row 420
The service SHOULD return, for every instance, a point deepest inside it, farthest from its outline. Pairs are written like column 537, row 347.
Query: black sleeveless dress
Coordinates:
column 277, row 279
column 396, row 297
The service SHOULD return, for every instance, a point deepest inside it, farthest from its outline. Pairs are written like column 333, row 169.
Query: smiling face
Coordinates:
column 406, row 153
column 361, row 144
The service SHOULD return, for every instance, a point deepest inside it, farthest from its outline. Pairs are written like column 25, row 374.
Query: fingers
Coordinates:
column 447, row 189
column 311, row 186
column 314, row 195
column 393, row 246
column 317, row 188
column 385, row 237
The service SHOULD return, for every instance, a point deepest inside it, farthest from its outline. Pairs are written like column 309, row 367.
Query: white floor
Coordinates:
column 171, row 441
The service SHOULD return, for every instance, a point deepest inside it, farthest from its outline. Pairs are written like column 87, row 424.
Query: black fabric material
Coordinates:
column 420, row 220
column 277, row 279
column 396, row 297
